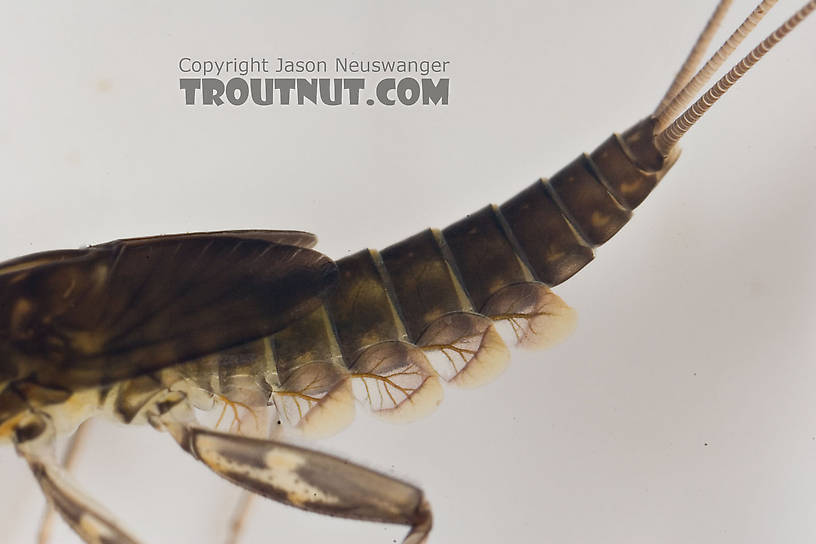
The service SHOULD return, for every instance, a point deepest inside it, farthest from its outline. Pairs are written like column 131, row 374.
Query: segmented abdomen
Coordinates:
column 427, row 308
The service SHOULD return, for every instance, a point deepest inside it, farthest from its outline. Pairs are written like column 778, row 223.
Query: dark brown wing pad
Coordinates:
column 124, row 309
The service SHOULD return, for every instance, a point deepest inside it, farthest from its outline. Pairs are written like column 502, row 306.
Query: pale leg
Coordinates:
column 34, row 441
column 68, row 460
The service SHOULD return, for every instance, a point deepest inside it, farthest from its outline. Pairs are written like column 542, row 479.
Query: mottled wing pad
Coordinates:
column 283, row 237
column 123, row 309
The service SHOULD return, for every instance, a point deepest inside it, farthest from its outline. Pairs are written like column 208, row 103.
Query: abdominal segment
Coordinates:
column 436, row 308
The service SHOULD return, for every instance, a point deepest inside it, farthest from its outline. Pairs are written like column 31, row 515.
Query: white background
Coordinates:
column 696, row 321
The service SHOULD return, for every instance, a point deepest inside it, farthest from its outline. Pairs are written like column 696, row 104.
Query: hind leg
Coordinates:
column 300, row 477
